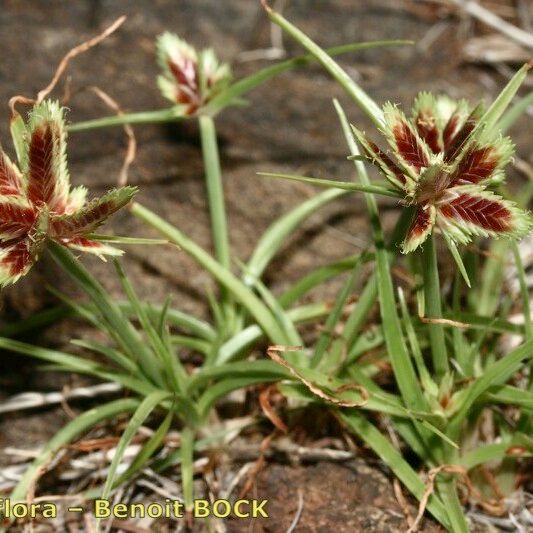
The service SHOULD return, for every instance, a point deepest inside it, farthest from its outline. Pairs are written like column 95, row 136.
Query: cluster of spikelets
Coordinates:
column 37, row 203
column 443, row 162
column 190, row 79
column 441, row 159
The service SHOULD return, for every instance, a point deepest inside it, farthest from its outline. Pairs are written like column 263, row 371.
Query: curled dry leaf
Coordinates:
column 268, row 409
column 71, row 54
column 430, row 487
column 274, row 353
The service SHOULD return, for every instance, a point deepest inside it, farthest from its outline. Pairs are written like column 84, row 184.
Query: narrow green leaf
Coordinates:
column 117, row 239
column 496, row 374
column 360, row 97
column 515, row 113
column 187, row 473
column 328, row 332
column 192, row 343
column 393, row 459
column 279, row 313
column 240, row 292
column 486, row 453
column 345, row 185
column 161, row 326
column 320, row 275
column 247, row 337
column 221, row 388
column 149, row 448
column 360, row 312
column 216, row 201
column 489, row 120
column 172, row 369
column 66, row 362
column 488, row 296
column 113, row 355
column 429, row 385
column 124, row 330
column 176, row 318
column 245, row 85
column 274, row 237
column 85, row 311
column 144, row 117
column 65, row 435
column 433, row 307
column 483, row 323
column 397, row 350
column 139, row 416
column 457, row 258
column 235, row 370
column 369, row 340
column 36, row 321
column 524, row 290
column 507, row 394
column 446, row 486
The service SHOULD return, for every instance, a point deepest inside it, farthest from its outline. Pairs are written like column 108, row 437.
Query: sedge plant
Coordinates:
column 451, row 374
column 40, row 212
column 200, row 87
column 448, row 379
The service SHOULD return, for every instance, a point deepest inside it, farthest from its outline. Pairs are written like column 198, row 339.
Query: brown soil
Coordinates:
column 352, row 496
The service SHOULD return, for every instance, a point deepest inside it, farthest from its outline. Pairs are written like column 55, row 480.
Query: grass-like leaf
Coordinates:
column 274, row 237
column 344, row 185
column 393, row 459
column 139, row 416
column 491, row 117
column 130, row 339
column 496, row 374
column 356, row 93
column 320, row 275
column 239, row 291
column 148, row 449
column 143, row 117
column 396, row 347
column 513, row 114
column 65, row 435
column 245, row 85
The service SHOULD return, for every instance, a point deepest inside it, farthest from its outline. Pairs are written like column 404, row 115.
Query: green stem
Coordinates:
column 399, row 356
column 434, row 308
column 524, row 291
column 240, row 292
column 187, row 473
column 215, row 198
column 143, row 117
column 359, row 96
column 215, row 190
column 447, row 490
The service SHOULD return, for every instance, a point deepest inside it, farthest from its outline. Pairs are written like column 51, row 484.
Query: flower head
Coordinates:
column 443, row 163
column 37, row 203
column 189, row 78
